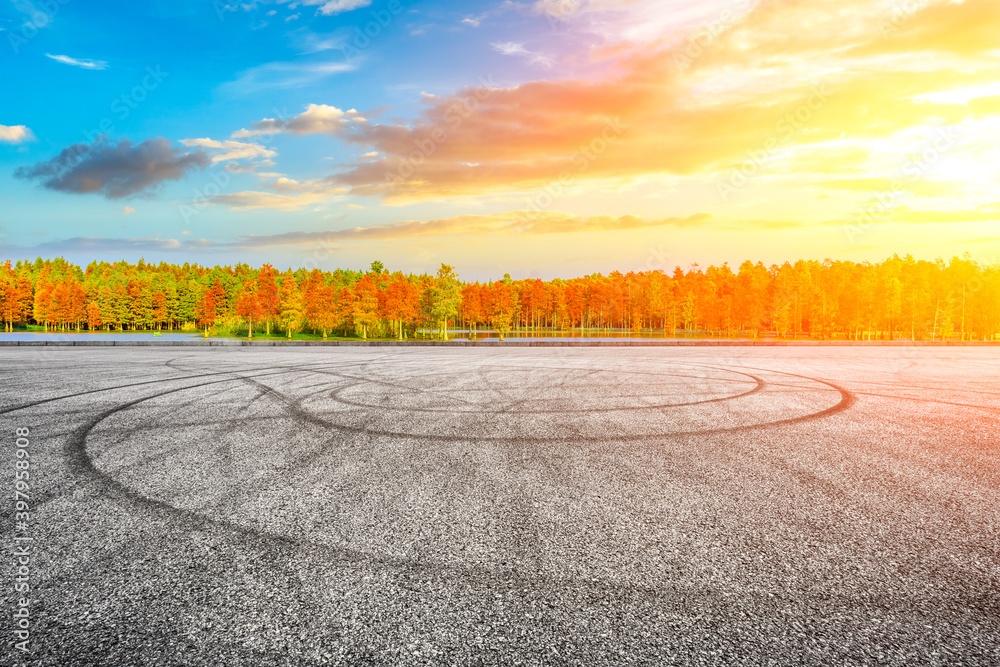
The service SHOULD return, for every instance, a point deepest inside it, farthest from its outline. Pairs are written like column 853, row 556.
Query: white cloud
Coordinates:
column 517, row 49
column 285, row 194
column 250, row 200
column 15, row 134
column 287, row 185
column 310, row 42
column 510, row 48
column 961, row 96
column 79, row 62
column 330, row 7
column 232, row 150
column 128, row 210
column 643, row 20
column 316, row 119
column 285, row 75
column 560, row 9
column 477, row 20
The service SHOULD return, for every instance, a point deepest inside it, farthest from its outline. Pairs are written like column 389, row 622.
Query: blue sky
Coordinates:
column 552, row 138
column 191, row 70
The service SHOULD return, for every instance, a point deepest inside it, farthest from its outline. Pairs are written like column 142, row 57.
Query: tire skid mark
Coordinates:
column 175, row 409
column 128, row 386
column 71, row 484
column 931, row 400
column 923, row 387
column 304, row 459
column 524, row 532
column 336, row 395
column 304, row 366
column 79, row 457
column 84, row 467
column 588, row 372
column 847, row 400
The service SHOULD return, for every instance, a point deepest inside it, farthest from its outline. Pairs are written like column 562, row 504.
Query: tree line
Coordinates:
column 900, row 298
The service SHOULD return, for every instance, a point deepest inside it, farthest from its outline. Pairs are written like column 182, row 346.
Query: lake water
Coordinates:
column 481, row 335
column 591, row 335
column 40, row 336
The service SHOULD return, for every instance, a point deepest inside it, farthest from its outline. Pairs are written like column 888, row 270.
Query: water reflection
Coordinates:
column 87, row 337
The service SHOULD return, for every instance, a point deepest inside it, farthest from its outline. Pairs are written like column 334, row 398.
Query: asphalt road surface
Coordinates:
column 518, row 506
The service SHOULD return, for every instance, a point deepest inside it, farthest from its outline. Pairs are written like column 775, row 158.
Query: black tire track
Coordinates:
column 43, row 401
column 24, row 406
column 847, row 400
column 83, row 466
column 336, row 395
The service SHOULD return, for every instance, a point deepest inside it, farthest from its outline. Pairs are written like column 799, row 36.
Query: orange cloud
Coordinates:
column 510, row 223
column 789, row 74
column 963, row 28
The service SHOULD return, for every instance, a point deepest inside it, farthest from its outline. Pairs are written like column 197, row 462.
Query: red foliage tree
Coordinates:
column 9, row 307
column 93, row 316
column 207, row 310
column 472, row 305
column 248, row 305
column 160, row 314
column 267, row 294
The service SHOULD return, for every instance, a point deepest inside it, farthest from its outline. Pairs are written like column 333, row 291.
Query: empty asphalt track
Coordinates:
column 504, row 506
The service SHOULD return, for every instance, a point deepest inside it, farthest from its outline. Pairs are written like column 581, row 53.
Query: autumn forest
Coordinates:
column 898, row 299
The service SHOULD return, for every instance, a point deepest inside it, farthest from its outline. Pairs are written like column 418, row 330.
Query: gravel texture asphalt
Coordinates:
column 481, row 506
